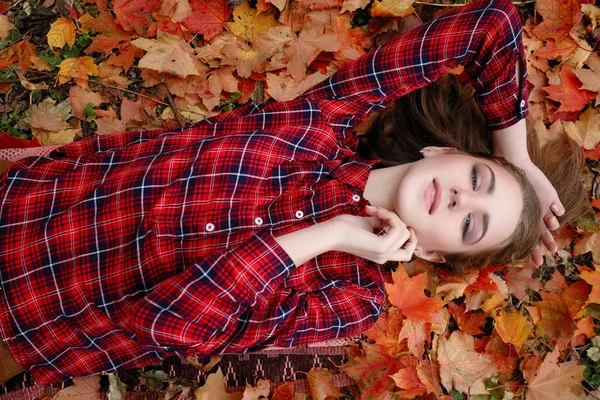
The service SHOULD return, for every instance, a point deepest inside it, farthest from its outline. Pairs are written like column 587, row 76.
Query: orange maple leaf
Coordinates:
column 559, row 17
column 408, row 379
column 512, row 327
column 19, row 52
column 468, row 322
column 555, row 321
column 518, row 280
column 572, row 295
column 372, row 371
column 505, row 356
column 320, row 385
column 593, row 278
column 303, row 50
column 415, row 334
column 408, row 295
column 77, row 69
column 83, row 388
column 556, row 380
column 385, row 332
column 568, row 93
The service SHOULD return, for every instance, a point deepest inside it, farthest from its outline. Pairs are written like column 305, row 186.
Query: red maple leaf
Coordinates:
column 208, row 18
column 568, row 93
column 136, row 15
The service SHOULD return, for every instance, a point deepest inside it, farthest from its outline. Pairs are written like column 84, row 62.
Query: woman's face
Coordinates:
column 457, row 203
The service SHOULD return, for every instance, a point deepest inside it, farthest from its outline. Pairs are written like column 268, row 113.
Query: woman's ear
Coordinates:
column 434, row 151
column 429, row 255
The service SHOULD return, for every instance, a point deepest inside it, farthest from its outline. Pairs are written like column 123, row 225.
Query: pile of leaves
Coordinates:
column 72, row 69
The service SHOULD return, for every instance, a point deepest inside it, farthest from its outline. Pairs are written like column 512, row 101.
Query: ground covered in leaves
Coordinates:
column 72, row 69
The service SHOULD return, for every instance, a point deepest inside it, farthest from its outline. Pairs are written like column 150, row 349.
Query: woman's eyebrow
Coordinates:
column 492, row 186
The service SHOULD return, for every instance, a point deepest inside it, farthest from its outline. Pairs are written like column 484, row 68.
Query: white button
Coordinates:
column 356, row 197
column 299, row 214
column 258, row 221
column 210, row 227
column 522, row 103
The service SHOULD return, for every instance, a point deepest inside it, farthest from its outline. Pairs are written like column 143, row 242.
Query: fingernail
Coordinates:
column 554, row 208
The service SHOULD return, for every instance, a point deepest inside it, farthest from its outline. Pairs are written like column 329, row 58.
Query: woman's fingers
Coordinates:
column 538, row 255
column 557, row 208
column 407, row 250
column 551, row 222
column 548, row 240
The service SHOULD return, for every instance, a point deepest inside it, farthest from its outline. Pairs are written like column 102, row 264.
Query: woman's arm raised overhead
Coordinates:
column 483, row 36
column 511, row 142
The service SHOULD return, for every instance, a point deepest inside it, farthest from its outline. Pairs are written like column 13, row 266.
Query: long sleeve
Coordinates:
column 483, row 36
column 204, row 309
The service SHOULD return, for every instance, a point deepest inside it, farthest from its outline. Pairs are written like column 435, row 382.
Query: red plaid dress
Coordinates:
column 118, row 251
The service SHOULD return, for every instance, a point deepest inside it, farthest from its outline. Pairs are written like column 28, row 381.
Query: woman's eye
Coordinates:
column 466, row 226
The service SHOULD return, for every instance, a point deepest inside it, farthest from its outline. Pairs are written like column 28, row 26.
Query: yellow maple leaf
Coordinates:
column 261, row 390
column 55, row 138
column 48, row 116
column 283, row 87
column 280, row 4
column 214, row 388
column 593, row 278
column 78, row 69
column 245, row 59
column 512, row 327
column 246, row 24
column 586, row 131
column 320, row 385
column 61, row 32
column 593, row 12
column 5, row 26
column 392, row 8
column 461, row 366
column 167, row 53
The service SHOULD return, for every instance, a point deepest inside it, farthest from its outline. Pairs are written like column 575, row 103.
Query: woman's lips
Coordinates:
column 437, row 197
column 432, row 196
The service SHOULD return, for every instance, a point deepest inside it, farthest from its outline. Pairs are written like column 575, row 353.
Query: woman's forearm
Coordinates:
column 511, row 143
column 307, row 243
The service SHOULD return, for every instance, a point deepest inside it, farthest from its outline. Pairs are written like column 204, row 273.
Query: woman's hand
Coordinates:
column 551, row 208
column 355, row 236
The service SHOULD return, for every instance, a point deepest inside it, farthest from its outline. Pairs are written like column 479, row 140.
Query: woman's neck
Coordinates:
column 383, row 185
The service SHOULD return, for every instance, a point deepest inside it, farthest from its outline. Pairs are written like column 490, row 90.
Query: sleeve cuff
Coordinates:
column 261, row 263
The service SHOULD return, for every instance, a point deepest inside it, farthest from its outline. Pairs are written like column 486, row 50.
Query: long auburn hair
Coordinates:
column 445, row 114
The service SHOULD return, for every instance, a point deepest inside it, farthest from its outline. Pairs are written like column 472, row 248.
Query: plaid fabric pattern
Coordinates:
column 119, row 251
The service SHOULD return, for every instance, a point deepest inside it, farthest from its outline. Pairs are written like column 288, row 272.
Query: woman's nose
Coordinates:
column 458, row 199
